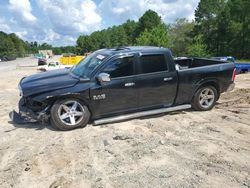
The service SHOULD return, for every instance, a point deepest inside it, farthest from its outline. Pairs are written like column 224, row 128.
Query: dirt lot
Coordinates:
column 181, row 149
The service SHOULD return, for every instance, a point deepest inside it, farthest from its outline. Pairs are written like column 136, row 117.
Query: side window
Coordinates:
column 153, row 63
column 120, row 67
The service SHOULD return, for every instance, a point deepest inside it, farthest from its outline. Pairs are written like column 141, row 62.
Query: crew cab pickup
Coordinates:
column 122, row 83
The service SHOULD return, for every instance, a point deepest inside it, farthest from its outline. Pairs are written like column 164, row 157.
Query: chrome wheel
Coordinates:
column 71, row 112
column 206, row 98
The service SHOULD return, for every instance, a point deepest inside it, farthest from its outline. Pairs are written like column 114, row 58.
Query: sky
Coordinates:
column 60, row 22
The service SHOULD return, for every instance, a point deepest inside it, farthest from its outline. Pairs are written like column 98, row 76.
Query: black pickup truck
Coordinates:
column 122, row 83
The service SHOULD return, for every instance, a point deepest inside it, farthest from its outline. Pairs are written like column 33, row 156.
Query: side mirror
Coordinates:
column 103, row 77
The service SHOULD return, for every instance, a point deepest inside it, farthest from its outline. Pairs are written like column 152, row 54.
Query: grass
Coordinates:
column 243, row 61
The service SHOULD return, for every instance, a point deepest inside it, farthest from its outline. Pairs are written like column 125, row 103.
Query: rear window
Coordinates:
column 153, row 63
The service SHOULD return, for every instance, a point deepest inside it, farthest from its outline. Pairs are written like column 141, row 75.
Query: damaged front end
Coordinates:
column 37, row 94
column 30, row 111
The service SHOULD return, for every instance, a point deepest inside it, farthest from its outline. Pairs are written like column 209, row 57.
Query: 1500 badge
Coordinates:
column 99, row 97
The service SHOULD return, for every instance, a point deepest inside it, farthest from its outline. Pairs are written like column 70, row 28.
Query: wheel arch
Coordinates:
column 58, row 123
column 50, row 100
column 74, row 96
column 213, row 83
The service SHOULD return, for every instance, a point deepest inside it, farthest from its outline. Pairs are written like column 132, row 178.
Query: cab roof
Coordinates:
column 132, row 49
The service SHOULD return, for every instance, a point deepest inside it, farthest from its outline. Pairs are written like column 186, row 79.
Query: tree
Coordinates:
column 149, row 20
column 240, row 27
column 7, row 47
column 100, row 39
column 81, row 44
column 118, row 36
column 180, row 36
column 224, row 33
column 18, row 44
column 32, row 47
column 149, row 30
column 206, row 26
column 45, row 46
column 224, row 26
column 158, row 36
column 11, row 46
column 57, row 51
column 130, row 28
column 112, row 37
column 198, row 48
column 221, row 28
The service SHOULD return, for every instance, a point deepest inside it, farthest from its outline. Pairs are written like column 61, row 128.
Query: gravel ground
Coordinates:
column 180, row 149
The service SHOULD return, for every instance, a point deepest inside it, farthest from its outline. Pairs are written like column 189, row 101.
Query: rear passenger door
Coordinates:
column 156, row 84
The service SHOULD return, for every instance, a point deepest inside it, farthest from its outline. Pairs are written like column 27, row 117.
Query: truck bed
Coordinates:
column 188, row 63
column 192, row 71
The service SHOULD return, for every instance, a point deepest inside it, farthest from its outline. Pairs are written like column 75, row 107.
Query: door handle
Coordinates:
column 167, row 79
column 129, row 84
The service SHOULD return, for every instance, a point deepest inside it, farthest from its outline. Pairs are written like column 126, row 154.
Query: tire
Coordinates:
column 205, row 98
column 68, row 114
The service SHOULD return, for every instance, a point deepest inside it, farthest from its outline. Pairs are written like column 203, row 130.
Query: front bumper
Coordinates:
column 19, row 119
column 26, row 115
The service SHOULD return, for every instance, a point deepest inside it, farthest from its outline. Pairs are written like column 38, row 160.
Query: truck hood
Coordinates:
column 47, row 81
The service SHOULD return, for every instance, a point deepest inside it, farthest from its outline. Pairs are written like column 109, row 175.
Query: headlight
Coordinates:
column 20, row 90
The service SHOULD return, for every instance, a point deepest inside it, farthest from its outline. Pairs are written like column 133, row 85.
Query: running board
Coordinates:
column 140, row 114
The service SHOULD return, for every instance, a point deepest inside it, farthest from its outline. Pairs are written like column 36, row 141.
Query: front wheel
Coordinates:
column 68, row 114
column 205, row 98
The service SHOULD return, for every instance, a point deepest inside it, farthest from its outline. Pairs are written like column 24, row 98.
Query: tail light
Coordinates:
column 234, row 74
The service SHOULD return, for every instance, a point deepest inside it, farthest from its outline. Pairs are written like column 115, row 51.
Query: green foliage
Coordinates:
column 198, row 48
column 240, row 30
column 118, row 36
column 129, row 33
column 180, row 36
column 148, row 21
column 243, row 61
column 19, row 45
column 221, row 28
column 67, row 49
column 158, row 36
column 206, row 22
column 115, row 36
column 224, row 26
column 11, row 46
column 32, row 47
column 57, row 51
column 130, row 28
column 7, row 47
column 45, row 46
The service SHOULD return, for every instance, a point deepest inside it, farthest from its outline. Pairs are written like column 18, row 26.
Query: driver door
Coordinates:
column 119, row 94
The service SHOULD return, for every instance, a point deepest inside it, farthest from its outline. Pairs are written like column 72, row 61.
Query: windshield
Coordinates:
column 86, row 66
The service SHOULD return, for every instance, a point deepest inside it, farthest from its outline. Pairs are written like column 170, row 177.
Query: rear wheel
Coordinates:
column 205, row 98
column 68, row 114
